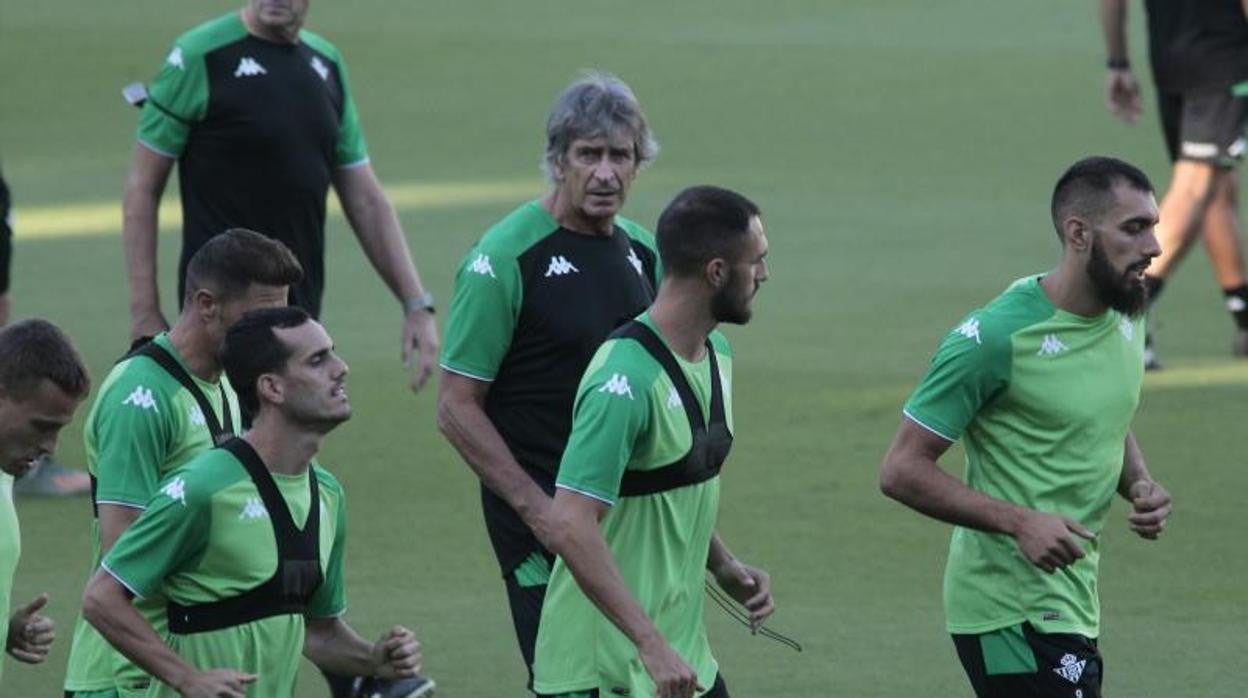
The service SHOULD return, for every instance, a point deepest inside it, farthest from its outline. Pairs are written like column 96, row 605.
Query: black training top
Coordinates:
column 1197, row 45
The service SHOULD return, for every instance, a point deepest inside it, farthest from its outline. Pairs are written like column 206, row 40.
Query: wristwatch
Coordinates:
column 422, row 302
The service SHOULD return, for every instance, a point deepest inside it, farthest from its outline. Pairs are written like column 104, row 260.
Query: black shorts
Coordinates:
column 525, row 597
column 1204, row 126
column 718, row 690
column 1020, row 662
column 6, row 237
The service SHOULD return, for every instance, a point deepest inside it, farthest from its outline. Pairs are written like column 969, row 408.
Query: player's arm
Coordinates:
column 149, row 172
column 578, row 540
column 1150, row 502
column 114, row 520
column 376, row 225
column 333, row 645
column 462, row 420
column 106, row 605
column 911, row 475
column 749, row 586
column 1122, row 91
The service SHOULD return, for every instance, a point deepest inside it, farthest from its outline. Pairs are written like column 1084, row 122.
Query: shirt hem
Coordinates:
column 158, row 151
column 120, row 503
column 586, row 493
column 1040, row 626
column 121, row 581
column 935, row 431
column 355, row 164
column 565, row 686
column 466, row 374
column 75, row 686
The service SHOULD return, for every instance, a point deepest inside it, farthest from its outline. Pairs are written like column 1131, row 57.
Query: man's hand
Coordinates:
column 1151, row 507
column 147, row 323
column 750, row 587
column 420, row 335
column 397, row 654
column 1048, row 541
column 216, row 683
column 673, row 678
column 30, row 633
column 1122, row 94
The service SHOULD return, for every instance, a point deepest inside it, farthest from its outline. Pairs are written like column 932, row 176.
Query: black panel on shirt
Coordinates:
column 1197, row 45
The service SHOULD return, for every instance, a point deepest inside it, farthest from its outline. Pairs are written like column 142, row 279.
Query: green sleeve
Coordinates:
column 970, row 369
column 134, row 430
column 351, row 150
column 331, row 598
column 177, row 99
column 611, row 412
column 484, row 308
column 170, row 533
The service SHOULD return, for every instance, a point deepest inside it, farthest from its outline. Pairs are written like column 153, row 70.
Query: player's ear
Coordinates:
column 717, row 272
column 270, row 388
column 205, row 303
column 1077, row 234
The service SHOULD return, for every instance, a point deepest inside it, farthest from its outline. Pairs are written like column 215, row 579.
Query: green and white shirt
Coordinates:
column 206, row 536
column 629, row 417
column 142, row 425
column 1043, row 400
column 10, row 552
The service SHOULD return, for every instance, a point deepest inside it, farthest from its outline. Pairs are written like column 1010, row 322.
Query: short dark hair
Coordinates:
column 32, row 351
column 1085, row 188
column 701, row 224
column 230, row 262
column 253, row 349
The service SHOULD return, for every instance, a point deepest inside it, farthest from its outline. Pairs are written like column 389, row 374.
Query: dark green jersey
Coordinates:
column 630, row 418
column 258, row 129
column 1042, row 400
column 532, row 303
column 206, row 536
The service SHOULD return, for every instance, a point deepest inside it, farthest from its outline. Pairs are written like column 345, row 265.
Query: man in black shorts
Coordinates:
column 533, row 300
column 1199, row 55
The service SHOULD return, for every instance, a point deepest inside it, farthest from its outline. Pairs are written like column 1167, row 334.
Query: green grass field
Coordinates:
column 903, row 155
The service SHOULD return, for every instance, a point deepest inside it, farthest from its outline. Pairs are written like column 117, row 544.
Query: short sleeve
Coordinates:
column 170, row 533
column 351, row 149
column 331, row 598
column 177, row 100
column 610, row 414
column 133, row 434
column 484, row 308
column 970, row 369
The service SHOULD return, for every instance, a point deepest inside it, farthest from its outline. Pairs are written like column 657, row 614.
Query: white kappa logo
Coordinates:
column 320, row 67
column 559, row 265
column 175, row 58
column 196, row 416
column 1126, row 328
column 248, row 67
column 142, row 399
column 635, row 261
column 970, row 330
column 481, row 265
column 618, row 385
column 1071, row 668
column 253, row 509
column 175, row 490
column 673, row 399
column 1051, row 346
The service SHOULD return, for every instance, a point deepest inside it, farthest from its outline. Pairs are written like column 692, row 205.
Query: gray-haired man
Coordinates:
column 533, row 299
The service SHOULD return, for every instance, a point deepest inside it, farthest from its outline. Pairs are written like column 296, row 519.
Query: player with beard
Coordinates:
column 637, row 494
column 244, row 544
column 1041, row 385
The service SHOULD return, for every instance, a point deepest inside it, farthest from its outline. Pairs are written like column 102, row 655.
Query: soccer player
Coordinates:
column 1041, row 385
column 163, row 405
column 258, row 114
column 244, row 545
column 1199, row 53
column 42, row 381
column 533, row 300
column 638, row 487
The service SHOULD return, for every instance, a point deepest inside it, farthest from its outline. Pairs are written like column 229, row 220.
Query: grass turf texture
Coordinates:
column 903, row 156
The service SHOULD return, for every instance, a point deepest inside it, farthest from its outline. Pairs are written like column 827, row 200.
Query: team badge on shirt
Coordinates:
column 320, row 68
column 175, row 490
column 1071, row 668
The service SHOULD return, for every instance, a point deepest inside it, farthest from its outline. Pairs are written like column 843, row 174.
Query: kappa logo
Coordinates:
column 1051, row 346
column 175, row 58
column 248, row 67
column 1126, row 328
column 1235, row 304
column 559, row 265
column 970, row 330
column 618, row 385
column 320, row 67
column 1071, row 668
column 142, row 399
column 635, row 261
column 196, row 416
column 253, row 509
column 481, row 265
column 673, row 399
column 175, row 490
